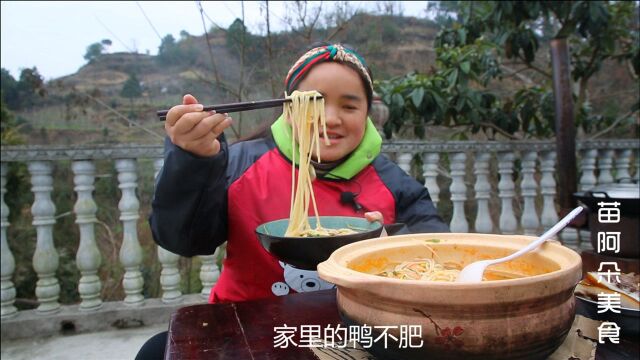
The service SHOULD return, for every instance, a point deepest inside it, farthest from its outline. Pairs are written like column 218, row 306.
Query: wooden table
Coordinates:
column 246, row 330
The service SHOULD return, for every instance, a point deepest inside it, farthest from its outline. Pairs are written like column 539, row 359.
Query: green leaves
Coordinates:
column 452, row 78
column 94, row 51
column 465, row 67
column 460, row 93
column 131, row 88
column 416, row 96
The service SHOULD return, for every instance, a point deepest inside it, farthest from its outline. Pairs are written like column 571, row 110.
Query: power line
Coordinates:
column 228, row 8
column 112, row 34
column 132, row 122
column 201, row 8
column 149, row 21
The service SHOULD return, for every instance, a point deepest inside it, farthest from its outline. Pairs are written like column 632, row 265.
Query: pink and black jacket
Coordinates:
column 199, row 203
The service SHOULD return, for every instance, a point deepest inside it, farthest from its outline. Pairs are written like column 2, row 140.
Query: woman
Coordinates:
column 208, row 193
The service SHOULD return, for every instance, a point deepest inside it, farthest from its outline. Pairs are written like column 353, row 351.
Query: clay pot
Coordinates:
column 522, row 318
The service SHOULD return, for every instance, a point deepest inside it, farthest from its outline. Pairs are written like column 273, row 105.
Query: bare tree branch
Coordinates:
column 631, row 70
column 222, row 85
column 497, row 129
column 517, row 73
column 270, row 53
column 314, row 22
column 120, row 115
column 613, row 125
column 534, row 67
column 336, row 31
column 206, row 34
column 608, row 95
column 243, row 46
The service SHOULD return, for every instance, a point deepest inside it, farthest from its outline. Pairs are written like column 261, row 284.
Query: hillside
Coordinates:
column 411, row 51
column 87, row 107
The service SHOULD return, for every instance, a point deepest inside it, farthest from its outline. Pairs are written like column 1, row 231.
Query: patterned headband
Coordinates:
column 317, row 55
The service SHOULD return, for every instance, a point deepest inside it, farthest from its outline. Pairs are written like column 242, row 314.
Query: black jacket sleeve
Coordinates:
column 414, row 207
column 189, row 205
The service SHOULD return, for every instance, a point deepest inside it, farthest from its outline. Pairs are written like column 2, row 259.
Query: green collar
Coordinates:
column 362, row 156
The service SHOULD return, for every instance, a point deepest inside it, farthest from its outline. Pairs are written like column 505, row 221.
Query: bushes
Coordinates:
column 172, row 53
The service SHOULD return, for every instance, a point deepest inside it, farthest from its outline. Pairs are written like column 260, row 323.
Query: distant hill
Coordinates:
column 392, row 46
column 408, row 49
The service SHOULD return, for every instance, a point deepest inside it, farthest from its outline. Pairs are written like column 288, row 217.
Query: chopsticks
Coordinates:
column 236, row 107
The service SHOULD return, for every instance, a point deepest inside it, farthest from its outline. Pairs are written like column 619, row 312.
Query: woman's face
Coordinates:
column 345, row 104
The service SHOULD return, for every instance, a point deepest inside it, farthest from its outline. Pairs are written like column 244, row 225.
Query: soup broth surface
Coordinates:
column 418, row 263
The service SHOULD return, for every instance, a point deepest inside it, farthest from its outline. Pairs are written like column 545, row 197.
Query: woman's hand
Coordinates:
column 194, row 130
column 374, row 216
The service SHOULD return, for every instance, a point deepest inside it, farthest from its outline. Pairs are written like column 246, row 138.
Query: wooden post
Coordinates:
column 565, row 129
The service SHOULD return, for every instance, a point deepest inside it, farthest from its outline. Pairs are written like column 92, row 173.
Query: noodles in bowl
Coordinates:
column 423, row 269
column 436, row 260
column 433, row 268
column 523, row 310
column 306, row 252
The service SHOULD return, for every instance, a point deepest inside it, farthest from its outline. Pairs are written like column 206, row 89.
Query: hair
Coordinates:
column 365, row 83
column 264, row 130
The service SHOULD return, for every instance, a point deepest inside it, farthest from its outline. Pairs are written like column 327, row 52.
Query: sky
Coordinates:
column 54, row 35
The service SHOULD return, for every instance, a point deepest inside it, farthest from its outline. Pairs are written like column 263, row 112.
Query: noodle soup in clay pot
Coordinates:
column 522, row 310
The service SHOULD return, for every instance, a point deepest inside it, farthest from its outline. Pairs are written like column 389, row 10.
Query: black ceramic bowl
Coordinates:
column 628, row 319
column 307, row 252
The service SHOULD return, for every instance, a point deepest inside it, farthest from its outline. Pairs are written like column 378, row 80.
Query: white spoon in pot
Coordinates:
column 473, row 272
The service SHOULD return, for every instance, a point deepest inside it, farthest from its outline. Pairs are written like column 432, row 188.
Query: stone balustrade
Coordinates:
column 489, row 187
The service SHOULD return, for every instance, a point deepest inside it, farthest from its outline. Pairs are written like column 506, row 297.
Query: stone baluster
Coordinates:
column 430, row 173
column 506, row 192
column 588, row 165
column 548, row 190
column 605, row 164
column 209, row 272
column 404, row 162
column 45, row 258
column 623, row 162
column 483, row 223
column 636, row 176
column 8, row 291
column 130, row 251
column 588, row 181
column 458, row 193
column 88, row 257
column 170, row 274
column 530, row 222
column 157, row 166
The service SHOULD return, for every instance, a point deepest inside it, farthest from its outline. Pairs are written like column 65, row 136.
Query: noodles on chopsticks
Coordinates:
column 306, row 115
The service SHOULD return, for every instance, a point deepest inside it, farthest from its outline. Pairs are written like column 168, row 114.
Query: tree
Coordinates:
column 167, row 44
column 131, row 88
column 93, row 51
column 393, row 8
column 9, row 90
column 23, row 92
column 471, row 55
column 105, row 44
column 444, row 13
column 304, row 20
column 582, row 35
column 171, row 52
column 237, row 35
column 239, row 40
column 9, row 126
